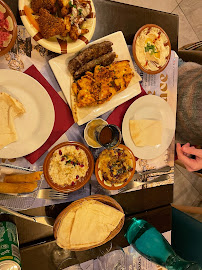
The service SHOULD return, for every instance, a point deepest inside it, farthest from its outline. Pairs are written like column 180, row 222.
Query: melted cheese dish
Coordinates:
column 115, row 166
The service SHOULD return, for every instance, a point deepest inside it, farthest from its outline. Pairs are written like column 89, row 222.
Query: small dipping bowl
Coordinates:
column 90, row 129
column 109, row 136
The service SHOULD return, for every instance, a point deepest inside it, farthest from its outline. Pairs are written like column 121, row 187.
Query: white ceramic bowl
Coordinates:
column 86, row 137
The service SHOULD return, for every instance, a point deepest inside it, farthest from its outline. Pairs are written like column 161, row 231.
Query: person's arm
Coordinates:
column 184, row 152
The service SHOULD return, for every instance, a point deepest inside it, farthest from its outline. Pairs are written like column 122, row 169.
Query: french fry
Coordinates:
column 17, row 187
column 23, row 178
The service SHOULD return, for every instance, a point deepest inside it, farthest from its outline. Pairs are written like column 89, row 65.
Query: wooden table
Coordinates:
column 153, row 204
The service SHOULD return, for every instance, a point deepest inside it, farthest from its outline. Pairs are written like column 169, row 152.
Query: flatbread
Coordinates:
column 64, row 232
column 87, row 225
column 10, row 108
column 146, row 132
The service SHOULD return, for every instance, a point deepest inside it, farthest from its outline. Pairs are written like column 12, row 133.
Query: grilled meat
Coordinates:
column 92, row 52
column 103, row 60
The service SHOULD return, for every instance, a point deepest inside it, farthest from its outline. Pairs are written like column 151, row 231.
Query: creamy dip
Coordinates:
column 68, row 165
column 152, row 49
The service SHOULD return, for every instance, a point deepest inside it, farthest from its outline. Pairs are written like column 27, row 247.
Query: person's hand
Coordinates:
column 184, row 153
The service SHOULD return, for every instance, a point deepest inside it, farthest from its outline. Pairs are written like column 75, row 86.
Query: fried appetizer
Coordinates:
column 46, row 4
column 50, row 25
column 75, row 32
column 23, row 178
column 64, row 3
column 68, row 17
column 100, row 86
column 17, row 187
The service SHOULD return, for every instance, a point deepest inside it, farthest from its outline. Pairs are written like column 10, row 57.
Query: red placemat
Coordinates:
column 63, row 115
column 116, row 117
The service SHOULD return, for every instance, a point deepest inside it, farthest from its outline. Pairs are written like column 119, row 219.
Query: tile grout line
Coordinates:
column 180, row 2
column 196, row 201
column 187, row 179
column 153, row 8
column 175, row 8
column 188, row 20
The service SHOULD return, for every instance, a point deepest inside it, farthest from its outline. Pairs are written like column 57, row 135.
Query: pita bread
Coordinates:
column 87, row 224
column 10, row 108
column 146, row 132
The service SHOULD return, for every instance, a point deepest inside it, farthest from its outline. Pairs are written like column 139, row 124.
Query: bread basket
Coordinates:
column 100, row 198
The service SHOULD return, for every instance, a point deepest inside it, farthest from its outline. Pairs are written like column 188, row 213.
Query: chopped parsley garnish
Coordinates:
column 150, row 48
column 70, row 4
column 80, row 11
column 68, row 161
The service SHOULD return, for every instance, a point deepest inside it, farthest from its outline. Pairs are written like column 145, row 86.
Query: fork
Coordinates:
column 133, row 184
column 50, row 194
column 142, row 176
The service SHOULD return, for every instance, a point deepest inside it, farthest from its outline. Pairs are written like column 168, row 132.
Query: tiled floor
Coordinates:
column 189, row 11
column 187, row 189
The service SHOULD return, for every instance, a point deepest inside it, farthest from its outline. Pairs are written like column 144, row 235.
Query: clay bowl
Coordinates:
column 8, row 15
column 134, row 50
column 101, row 198
column 78, row 184
column 101, row 182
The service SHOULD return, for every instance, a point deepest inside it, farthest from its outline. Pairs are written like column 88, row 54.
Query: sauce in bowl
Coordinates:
column 109, row 136
column 105, row 135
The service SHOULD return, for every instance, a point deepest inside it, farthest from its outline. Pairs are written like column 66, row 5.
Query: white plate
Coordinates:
column 35, row 125
column 54, row 44
column 59, row 66
column 149, row 107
